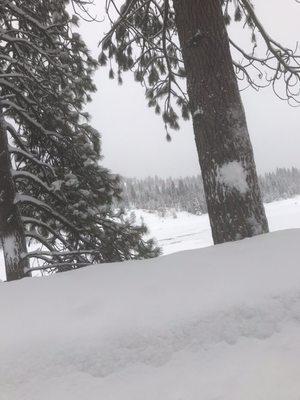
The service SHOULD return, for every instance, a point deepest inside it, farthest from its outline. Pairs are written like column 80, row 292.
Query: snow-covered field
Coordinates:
column 189, row 231
column 216, row 323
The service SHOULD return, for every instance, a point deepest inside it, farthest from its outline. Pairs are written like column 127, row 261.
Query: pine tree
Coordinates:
column 61, row 195
column 165, row 42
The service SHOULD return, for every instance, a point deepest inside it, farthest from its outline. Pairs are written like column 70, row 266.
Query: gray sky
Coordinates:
column 134, row 138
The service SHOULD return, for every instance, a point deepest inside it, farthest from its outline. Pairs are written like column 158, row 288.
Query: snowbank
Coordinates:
column 215, row 323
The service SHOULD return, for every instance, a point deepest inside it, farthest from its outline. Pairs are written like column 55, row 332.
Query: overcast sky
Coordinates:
column 133, row 136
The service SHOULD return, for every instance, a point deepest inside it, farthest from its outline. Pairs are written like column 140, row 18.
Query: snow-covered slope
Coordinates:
column 216, row 323
column 189, row 231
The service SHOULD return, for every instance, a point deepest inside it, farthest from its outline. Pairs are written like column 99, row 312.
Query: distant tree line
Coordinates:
column 187, row 194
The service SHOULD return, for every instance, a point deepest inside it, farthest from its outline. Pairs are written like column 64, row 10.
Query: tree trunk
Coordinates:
column 225, row 152
column 11, row 227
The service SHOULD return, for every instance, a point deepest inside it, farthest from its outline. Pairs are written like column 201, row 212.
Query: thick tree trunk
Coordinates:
column 11, row 227
column 225, row 153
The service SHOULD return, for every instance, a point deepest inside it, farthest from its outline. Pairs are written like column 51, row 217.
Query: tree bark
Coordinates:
column 11, row 227
column 225, row 152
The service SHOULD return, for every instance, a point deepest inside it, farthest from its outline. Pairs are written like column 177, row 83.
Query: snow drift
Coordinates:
column 216, row 323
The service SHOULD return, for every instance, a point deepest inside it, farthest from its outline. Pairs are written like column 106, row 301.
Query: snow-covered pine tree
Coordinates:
column 63, row 195
column 163, row 42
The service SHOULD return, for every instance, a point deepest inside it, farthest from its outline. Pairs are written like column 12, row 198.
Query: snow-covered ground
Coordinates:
column 189, row 231
column 216, row 323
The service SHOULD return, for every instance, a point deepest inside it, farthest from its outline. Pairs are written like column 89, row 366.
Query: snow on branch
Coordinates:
column 60, row 253
column 21, row 198
column 58, row 266
column 37, row 222
column 30, row 157
column 23, row 112
column 33, row 178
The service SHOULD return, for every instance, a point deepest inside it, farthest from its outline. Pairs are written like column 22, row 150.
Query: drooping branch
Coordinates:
column 279, row 67
column 143, row 39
